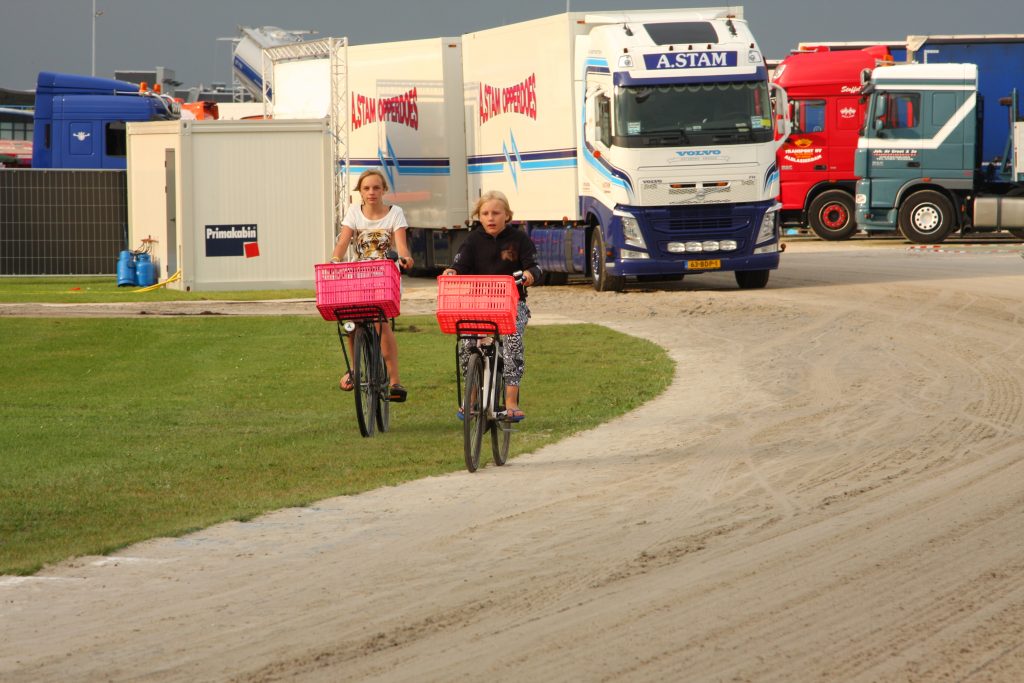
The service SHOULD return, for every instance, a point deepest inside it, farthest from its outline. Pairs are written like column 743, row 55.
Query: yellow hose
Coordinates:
column 172, row 278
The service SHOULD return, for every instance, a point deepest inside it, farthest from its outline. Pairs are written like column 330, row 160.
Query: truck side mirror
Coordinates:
column 782, row 113
column 879, row 110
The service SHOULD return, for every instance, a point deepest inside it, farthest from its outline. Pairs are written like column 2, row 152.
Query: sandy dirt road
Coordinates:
column 832, row 489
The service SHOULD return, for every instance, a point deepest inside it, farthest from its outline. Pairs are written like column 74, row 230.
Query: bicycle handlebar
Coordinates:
column 400, row 261
column 519, row 277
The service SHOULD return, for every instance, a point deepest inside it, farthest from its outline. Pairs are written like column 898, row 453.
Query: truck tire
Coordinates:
column 602, row 279
column 831, row 216
column 926, row 217
column 752, row 279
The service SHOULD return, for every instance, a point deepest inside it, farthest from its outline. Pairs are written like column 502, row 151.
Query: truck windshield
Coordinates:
column 692, row 114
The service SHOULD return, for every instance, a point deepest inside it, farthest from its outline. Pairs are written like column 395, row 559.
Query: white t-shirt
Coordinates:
column 372, row 239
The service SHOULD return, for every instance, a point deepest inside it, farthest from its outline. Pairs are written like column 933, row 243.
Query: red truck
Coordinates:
column 816, row 161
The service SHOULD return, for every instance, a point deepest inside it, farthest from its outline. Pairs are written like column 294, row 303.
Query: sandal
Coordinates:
column 345, row 382
column 398, row 393
column 513, row 415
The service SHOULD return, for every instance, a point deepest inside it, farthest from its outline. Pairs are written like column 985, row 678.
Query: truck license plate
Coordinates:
column 713, row 264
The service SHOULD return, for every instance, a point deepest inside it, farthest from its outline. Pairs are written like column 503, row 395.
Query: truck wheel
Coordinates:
column 831, row 216
column 602, row 279
column 926, row 217
column 752, row 279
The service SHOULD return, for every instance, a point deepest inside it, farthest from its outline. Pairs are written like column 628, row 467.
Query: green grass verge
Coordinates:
column 113, row 431
column 92, row 289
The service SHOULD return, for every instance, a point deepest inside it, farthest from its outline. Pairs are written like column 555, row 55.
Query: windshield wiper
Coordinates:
column 725, row 133
column 669, row 136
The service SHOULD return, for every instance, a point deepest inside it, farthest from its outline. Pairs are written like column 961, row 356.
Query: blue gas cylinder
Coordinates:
column 126, row 269
column 145, row 270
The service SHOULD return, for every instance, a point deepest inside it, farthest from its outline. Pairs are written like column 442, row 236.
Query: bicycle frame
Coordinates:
column 492, row 357
column 349, row 318
column 372, row 387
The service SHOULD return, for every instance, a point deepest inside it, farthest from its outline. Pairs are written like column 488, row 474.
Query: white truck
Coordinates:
column 635, row 144
column 632, row 144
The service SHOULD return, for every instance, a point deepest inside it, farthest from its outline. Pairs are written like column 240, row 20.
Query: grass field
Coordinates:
column 89, row 289
column 117, row 430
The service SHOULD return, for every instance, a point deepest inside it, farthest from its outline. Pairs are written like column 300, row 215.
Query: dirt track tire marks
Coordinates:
column 828, row 491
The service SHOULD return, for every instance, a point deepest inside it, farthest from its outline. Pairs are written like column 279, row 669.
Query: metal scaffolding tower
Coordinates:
column 335, row 50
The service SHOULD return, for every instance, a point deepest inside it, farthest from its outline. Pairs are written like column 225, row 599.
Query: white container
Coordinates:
column 233, row 205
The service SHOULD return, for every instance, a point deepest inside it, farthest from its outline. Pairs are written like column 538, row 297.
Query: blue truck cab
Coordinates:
column 80, row 121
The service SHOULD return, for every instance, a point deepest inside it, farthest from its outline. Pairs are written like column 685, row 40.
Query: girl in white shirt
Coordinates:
column 376, row 226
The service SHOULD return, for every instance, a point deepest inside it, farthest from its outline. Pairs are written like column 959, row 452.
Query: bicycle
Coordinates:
column 479, row 309
column 361, row 296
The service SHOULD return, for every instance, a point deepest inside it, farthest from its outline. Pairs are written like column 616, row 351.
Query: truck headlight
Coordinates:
column 769, row 225
column 631, row 229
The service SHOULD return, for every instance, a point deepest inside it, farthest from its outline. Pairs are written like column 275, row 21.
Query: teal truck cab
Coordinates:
column 920, row 160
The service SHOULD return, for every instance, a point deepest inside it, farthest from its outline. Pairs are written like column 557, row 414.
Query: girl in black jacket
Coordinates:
column 496, row 248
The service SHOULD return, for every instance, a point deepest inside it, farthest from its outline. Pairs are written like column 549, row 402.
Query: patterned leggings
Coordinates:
column 514, row 351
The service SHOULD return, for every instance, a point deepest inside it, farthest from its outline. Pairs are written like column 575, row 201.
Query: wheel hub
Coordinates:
column 927, row 218
column 834, row 216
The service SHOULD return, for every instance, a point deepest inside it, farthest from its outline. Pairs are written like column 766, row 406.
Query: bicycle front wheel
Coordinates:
column 363, row 378
column 474, row 421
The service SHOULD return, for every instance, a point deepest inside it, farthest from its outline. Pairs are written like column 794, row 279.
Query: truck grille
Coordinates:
column 725, row 189
column 698, row 221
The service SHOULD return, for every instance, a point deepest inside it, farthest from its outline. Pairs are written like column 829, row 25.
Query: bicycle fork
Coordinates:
column 487, row 404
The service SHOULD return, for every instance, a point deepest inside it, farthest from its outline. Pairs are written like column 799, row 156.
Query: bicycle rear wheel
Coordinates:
column 501, row 432
column 474, row 421
column 501, row 438
column 362, row 377
column 383, row 390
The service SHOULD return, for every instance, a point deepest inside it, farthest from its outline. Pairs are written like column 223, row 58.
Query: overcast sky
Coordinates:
column 56, row 35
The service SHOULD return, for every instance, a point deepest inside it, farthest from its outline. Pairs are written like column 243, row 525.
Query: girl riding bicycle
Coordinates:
column 375, row 225
column 496, row 248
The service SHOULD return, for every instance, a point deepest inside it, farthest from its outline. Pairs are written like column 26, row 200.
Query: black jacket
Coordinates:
column 509, row 251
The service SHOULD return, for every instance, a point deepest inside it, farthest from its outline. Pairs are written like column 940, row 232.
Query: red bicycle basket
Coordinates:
column 476, row 298
column 357, row 289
